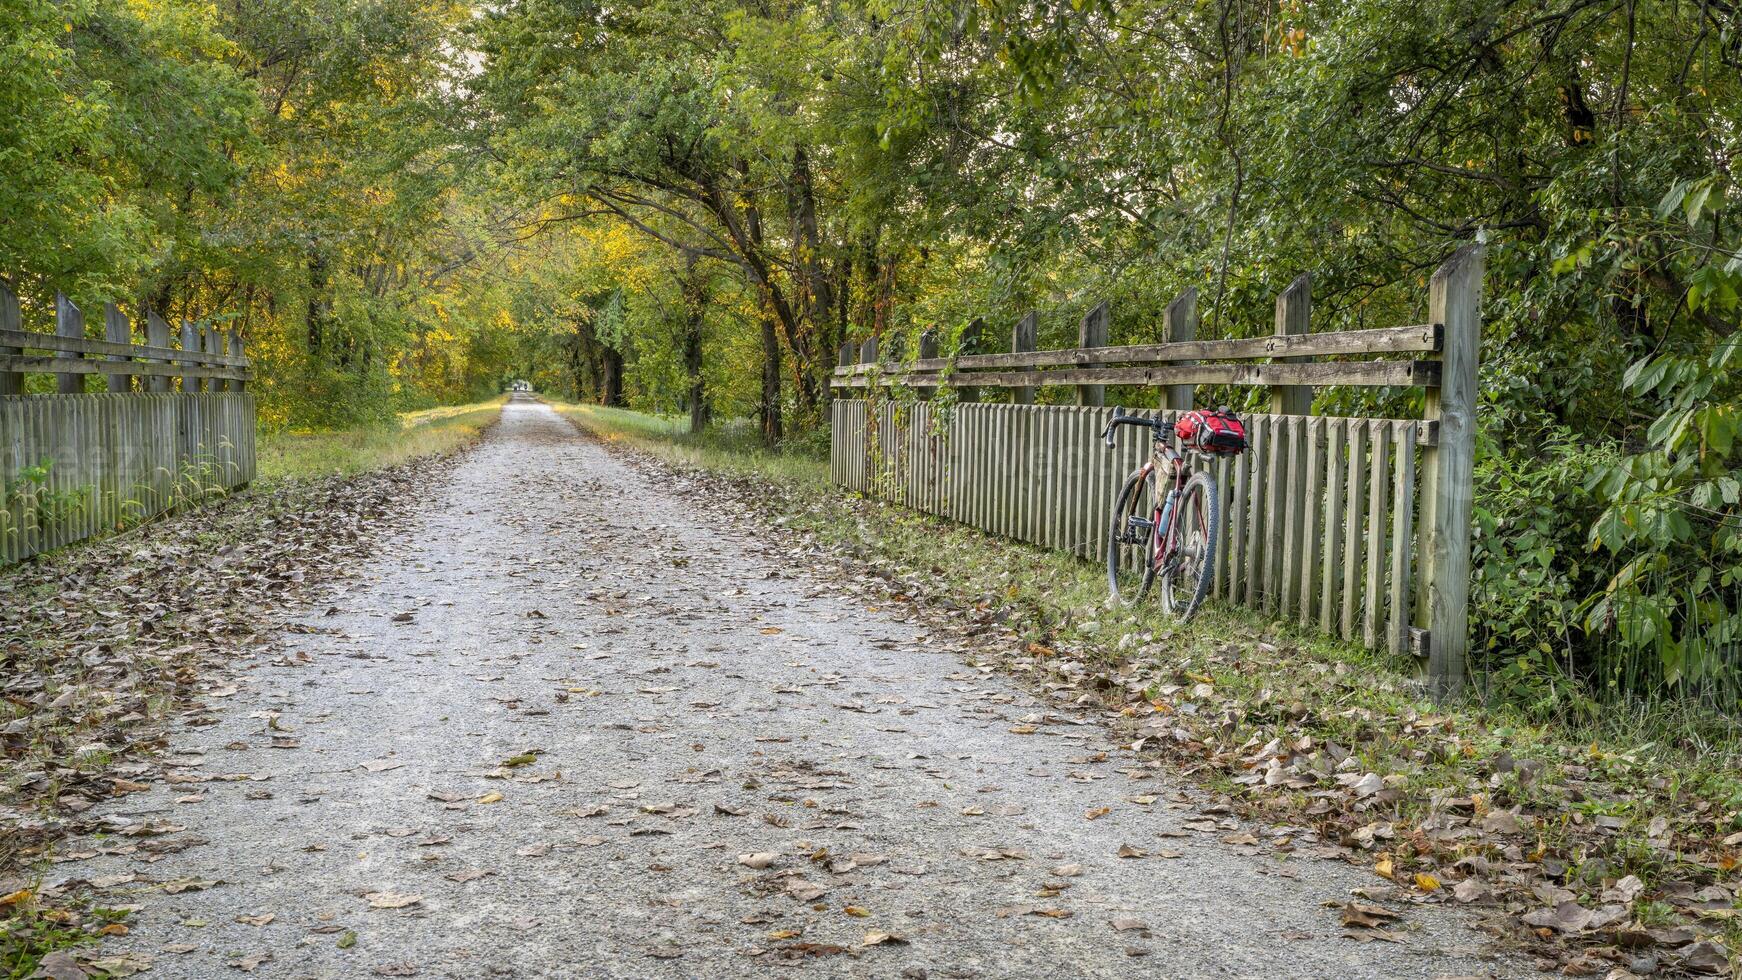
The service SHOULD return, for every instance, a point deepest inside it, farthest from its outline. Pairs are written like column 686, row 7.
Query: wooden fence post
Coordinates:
column 157, row 335
column 117, row 329
column 1022, row 340
column 1182, row 325
column 190, row 343
column 868, row 351
column 236, row 350
column 970, row 344
column 849, row 353
column 1092, row 332
column 10, row 319
column 928, row 348
column 215, row 345
column 68, row 322
column 1447, row 471
column 1288, row 463
column 1293, row 308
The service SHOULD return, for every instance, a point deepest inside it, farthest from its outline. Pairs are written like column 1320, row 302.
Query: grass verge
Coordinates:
column 1603, row 842
column 345, row 452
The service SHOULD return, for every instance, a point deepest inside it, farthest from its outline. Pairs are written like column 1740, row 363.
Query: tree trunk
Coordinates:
column 770, row 406
column 817, row 292
column 695, row 301
column 317, row 299
column 611, row 394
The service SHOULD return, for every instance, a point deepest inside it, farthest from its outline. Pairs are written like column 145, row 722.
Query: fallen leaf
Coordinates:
column 59, row 965
column 180, row 885
column 391, row 900
column 251, row 962
column 1365, row 916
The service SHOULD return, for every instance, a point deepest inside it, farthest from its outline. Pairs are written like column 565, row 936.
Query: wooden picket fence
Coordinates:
column 1359, row 527
column 174, row 425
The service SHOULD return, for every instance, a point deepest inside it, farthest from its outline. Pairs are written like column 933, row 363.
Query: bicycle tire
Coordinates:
column 1185, row 580
column 1130, row 568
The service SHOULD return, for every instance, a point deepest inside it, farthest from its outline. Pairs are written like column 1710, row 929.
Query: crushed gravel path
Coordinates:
column 571, row 726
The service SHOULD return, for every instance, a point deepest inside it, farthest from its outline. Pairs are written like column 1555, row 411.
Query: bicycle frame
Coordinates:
column 1164, row 530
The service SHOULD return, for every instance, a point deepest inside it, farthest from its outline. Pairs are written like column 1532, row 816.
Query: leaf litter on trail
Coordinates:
column 104, row 670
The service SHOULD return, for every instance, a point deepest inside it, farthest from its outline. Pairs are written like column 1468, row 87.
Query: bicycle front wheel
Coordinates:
column 1186, row 574
column 1131, row 540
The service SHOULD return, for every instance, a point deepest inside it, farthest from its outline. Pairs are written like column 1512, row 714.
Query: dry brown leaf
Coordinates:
column 391, row 900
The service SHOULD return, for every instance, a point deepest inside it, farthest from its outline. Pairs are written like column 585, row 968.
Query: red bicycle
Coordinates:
column 1172, row 537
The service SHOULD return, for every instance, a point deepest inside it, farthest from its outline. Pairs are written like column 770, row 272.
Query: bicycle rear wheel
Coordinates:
column 1130, row 540
column 1187, row 573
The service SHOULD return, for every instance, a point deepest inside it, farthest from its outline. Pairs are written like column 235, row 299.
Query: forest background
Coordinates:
column 687, row 206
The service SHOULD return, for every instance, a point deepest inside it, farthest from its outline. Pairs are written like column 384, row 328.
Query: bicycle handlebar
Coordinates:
column 1120, row 418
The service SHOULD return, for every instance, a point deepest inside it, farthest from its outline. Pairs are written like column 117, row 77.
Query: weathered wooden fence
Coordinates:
column 172, row 426
column 1357, row 526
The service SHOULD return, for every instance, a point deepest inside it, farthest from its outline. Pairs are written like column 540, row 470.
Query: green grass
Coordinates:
column 293, row 455
column 731, row 447
column 1273, row 680
column 33, row 931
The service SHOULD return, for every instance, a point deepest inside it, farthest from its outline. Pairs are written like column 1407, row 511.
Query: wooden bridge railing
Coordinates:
column 1360, row 527
column 169, row 426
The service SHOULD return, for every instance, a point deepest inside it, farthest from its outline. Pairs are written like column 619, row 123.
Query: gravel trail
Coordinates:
column 570, row 726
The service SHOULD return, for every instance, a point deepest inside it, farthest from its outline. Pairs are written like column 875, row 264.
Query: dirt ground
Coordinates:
column 574, row 724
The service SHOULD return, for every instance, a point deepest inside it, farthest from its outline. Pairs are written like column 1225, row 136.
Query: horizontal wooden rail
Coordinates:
column 1361, row 373
column 1419, row 338
column 73, row 365
column 83, row 345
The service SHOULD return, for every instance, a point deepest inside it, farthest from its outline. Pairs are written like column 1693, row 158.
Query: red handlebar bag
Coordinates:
column 1220, row 431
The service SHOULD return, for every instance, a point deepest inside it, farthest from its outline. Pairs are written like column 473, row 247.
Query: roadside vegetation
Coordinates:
column 295, row 454
column 1603, row 839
